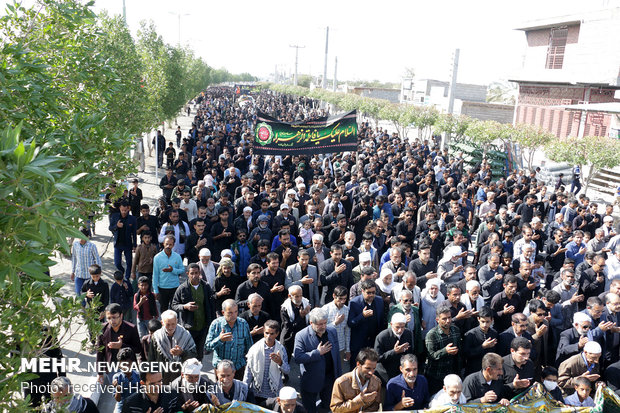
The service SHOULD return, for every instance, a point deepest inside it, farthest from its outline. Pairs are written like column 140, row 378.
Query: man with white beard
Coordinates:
column 451, row 394
column 208, row 268
column 192, row 386
column 294, row 312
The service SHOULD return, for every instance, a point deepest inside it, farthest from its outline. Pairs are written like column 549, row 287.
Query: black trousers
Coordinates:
column 165, row 298
column 200, row 336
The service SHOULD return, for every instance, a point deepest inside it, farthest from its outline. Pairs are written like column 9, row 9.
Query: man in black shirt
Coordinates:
column 424, row 266
column 255, row 317
column 334, row 272
column 518, row 368
column 254, row 284
column 275, row 278
column 485, row 386
column 287, row 252
column 167, row 184
column 196, row 241
column 405, row 229
column 154, row 397
column 479, row 341
column 146, row 221
column 96, row 286
column 506, row 303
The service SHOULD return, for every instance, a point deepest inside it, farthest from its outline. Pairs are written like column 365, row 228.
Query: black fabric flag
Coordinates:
column 335, row 134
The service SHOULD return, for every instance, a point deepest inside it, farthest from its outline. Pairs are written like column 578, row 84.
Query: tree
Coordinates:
column 392, row 112
column 502, row 92
column 116, row 41
column 304, row 80
column 453, row 126
column 596, row 152
column 409, row 73
column 424, row 119
column 67, row 122
column 530, row 139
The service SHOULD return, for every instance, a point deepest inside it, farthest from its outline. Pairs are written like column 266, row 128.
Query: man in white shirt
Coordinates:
column 189, row 205
column 337, row 316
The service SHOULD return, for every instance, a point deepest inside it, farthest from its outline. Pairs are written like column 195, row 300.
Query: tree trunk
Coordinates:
column 593, row 170
column 148, row 142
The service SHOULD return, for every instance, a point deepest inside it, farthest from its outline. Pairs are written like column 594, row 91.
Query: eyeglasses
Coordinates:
column 370, row 292
column 407, row 301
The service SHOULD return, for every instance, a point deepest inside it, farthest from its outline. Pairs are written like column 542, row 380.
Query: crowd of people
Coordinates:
column 394, row 276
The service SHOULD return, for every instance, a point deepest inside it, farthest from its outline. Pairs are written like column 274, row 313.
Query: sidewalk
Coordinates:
column 71, row 347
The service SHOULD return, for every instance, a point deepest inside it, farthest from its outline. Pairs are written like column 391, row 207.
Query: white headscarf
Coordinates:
column 426, row 292
column 450, row 253
column 386, row 288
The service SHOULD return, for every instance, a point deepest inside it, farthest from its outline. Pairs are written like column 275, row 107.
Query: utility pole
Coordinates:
column 455, row 69
column 297, row 47
column 325, row 65
column 335, row 75
column 124, row 13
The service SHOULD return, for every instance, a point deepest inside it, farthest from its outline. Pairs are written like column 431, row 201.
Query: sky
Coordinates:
column 373, row 40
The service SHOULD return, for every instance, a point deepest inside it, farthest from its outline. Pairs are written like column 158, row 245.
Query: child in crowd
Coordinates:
column 145, row 341
column 507, row 242
column 126, row 381
column 145, row 304
column 538, row 270
column 581, row 397
column 550, row 381
column 306, row 233
column 121, row 293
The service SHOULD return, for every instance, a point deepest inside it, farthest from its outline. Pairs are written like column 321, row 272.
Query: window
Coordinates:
column 557, row 46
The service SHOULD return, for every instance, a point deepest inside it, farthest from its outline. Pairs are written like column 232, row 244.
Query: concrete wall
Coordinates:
column 488, row 111
column 393, row 95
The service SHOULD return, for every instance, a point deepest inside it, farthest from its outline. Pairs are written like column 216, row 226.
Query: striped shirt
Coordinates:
column 82, row 257
column 343, row 330
column 265, row 389
column 234, row 350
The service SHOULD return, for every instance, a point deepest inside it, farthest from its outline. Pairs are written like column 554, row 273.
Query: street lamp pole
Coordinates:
column 179, row 14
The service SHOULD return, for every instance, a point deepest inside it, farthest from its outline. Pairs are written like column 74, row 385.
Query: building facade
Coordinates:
column 570, row 60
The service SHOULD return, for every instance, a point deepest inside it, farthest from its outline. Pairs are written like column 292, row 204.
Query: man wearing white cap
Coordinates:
column 286, row 402
column 573, row 339
column 244, row 221
column 192, row 386
column 365, row 261
column 391, row 344
column 208, row 268
column 584, row 364
column 284, row 216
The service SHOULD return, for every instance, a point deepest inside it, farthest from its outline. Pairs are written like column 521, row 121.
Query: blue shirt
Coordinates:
column 276, row 242
column 83, row 256
column 572, row 251
column 163, row 279
column 387, row 208
column 573, row 400
column 419, row 393
column 243, row 259
column 234, row 350
column 129, row 385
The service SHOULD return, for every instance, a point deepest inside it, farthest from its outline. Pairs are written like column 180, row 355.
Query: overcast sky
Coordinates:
column 372, row 39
